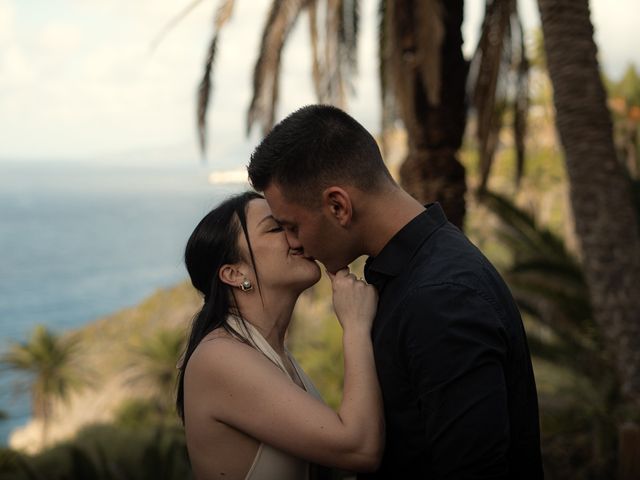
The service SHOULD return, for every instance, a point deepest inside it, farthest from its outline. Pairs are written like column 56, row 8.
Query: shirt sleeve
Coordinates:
column 455, row 347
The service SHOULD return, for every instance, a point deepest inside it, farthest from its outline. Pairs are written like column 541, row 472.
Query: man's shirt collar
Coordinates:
column 398, row 252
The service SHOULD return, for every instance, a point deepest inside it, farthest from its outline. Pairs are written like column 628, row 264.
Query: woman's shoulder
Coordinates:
column 221, row 357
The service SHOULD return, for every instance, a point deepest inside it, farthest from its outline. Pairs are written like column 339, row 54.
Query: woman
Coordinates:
column 249, row 411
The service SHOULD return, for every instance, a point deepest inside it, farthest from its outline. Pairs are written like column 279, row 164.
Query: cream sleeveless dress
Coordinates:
column 271, row 463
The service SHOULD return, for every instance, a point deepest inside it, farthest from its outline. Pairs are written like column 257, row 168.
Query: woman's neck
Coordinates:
column 271, row 318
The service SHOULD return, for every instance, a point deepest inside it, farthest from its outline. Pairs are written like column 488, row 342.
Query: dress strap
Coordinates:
column 252, row 335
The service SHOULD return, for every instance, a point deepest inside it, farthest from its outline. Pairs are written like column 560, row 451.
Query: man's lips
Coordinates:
column 299, row 253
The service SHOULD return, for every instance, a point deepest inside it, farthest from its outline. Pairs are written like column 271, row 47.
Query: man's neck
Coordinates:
column 386, row 215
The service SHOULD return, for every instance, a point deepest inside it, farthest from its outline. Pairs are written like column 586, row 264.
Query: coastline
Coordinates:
column 84, row 240
column 106, row 356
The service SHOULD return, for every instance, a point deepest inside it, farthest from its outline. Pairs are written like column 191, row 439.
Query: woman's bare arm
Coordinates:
column 246, row 391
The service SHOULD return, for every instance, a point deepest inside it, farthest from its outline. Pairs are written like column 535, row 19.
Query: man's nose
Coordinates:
column 293, row 241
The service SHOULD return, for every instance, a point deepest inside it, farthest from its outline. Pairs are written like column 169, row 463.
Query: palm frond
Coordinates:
column 317, row 71
column 555, row 275
column 486, row 67
column 563, row 307
column 521, row 97
column 499, row 74
column 281, row 19
column 389, row 110
column 204, row 93
column 333, row 61
column 521, row 233
column 546, row 279
column 579, row 359
column 223, row 14
column 334, row 48
column 348, row 29
column 399, row 62
column 156, row 359
column 430, row 36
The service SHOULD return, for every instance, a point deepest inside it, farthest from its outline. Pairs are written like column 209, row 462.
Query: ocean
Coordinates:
column 79, row 241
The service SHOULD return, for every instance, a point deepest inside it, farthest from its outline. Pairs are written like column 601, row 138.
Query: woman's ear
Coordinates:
column 231, row 275
column 338, row 202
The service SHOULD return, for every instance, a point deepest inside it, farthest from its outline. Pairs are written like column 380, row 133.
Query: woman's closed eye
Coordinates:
column 277, row 228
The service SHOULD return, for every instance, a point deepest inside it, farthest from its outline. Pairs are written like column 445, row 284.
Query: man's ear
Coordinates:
column 338, row 203
column 231, row 275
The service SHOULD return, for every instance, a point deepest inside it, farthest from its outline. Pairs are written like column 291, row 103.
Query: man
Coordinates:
column 451, row 353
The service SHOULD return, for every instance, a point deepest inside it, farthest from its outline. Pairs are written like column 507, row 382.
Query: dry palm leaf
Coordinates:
column 222, row 15
column 317, row 71
column 389, row 114
column 430, row 32
column 521, row 102
column 348, row 30
column 281, row 19
column 334, row 48
column 499, row 75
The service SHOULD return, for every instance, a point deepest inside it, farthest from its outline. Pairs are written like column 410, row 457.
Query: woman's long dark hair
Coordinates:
column 214, row 243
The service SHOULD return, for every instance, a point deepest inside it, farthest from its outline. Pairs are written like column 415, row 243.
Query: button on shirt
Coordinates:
column 452, row 358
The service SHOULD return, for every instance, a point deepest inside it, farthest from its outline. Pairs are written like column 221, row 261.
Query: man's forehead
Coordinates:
column 280, row 205
column 283, row 213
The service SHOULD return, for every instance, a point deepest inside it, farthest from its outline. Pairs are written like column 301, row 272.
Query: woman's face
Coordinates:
column 278, row 265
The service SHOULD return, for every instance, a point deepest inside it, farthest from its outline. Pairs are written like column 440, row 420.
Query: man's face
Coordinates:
column 309, row 229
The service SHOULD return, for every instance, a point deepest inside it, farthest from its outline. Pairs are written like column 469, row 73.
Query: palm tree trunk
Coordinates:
column 430, row 87
column 601, row 200
column 40, row 410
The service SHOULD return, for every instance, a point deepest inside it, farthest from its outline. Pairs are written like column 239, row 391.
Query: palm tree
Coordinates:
column 601, row 198
column 156, row 363
column 48, row 359
column 423, row 78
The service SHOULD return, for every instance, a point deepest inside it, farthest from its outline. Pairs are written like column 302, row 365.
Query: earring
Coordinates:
column 246, row 286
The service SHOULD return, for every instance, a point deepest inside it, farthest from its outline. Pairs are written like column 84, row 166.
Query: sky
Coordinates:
column 78, row 79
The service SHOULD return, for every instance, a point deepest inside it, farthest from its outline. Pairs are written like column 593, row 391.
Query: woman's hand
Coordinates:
column 231, row 378
column 354, row 301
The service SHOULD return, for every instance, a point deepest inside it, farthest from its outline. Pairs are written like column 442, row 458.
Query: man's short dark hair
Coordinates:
column 315, row 147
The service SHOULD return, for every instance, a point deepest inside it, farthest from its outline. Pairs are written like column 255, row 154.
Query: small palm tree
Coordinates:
column 548, row 282
column 156, row 360
column 48, row 359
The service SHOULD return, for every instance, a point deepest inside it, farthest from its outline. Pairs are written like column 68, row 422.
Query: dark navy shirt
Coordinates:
column 452, row 358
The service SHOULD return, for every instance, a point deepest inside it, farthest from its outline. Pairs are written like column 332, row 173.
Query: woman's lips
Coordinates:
column 299, row 253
